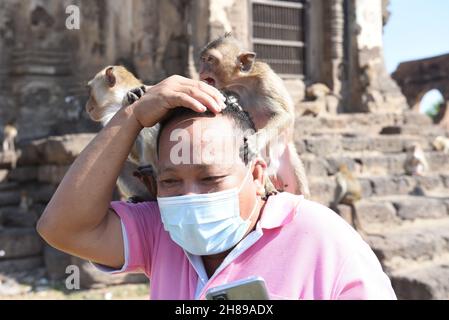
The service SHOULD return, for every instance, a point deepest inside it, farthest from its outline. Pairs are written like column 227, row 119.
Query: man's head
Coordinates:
column 202, row 153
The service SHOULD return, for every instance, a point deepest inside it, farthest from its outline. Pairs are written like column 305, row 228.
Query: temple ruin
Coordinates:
column 330, row 55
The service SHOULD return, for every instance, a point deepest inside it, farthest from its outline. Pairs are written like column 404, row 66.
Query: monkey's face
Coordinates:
column 225, row 65
column 107, row 90
column 218, row 67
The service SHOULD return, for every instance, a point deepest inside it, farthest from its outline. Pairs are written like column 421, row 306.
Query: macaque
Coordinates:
column 110, row 90
column 348, row 189
column 262, row 93
column 416, row 163
column 441, row 144
column 9, row 135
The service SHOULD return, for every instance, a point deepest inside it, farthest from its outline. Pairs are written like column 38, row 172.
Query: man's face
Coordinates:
column 209, row 154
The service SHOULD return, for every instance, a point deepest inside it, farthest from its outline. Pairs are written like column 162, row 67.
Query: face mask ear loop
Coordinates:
column 248, row 173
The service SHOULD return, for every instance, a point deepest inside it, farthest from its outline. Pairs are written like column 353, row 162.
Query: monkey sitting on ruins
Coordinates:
column 9, row 136
column 262, row 93
column 348, row 189
column 441, row 144
column 415, row 162
column 110, row 90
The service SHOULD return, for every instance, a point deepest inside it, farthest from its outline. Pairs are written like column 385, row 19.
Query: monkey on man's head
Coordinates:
column 226, row 65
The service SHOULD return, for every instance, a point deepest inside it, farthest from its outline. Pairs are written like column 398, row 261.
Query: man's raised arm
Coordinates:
column 77, row 219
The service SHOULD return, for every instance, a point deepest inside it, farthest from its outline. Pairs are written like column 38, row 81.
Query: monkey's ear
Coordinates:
column 110, row 77
column 246, row 61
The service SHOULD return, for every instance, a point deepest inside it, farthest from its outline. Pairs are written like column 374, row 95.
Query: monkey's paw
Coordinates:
column 133, row 95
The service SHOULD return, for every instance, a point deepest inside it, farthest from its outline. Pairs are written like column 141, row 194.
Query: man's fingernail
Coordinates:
column 223, row 97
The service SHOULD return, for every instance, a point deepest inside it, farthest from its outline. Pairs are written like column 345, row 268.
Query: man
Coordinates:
column 212, row 223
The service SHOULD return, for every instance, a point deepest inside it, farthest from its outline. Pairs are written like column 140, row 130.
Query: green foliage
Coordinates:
column 434, row 109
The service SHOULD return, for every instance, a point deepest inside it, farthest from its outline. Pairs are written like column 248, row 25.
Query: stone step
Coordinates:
column 323, row 187
column 8, row 198
column 16, row 217
column 376, row 212
column 19, row 242
column 420, row 241
column 358, row 123
column 21, row 264
column 370, row 164
column 423, row 281
column 329, row 144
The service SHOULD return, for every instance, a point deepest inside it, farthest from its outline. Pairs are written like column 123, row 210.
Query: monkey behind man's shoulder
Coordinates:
column 110, row 90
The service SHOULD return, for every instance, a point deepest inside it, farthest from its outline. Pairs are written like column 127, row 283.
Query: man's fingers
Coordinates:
column 202, row 97
column 203, row 86
column 183, row 99
column 213, row 92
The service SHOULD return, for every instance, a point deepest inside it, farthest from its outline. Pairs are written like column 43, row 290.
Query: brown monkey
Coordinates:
column 225, row 65
column 348, row 189
column 9, row 135
column 441, row 144
column 110, row 90
column 416, row 163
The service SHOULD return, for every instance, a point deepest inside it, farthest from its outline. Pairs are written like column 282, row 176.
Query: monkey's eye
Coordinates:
column 210, row 59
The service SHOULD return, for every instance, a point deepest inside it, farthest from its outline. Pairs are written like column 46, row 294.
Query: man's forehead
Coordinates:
column 167, row 167
column 200, row 140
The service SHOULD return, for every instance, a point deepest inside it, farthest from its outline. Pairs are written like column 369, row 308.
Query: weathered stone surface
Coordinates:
column 51, row 173
column 23, row 174
column 323, row 191
column 322, row 146
column 20, row 264
column 56, row 263
column 314, row 166
column 412, row 243
column 8, row 186
column 420, row 76
column 410, row 207
column 41, row 192
column 372, row 212
column 20, row 242
column 14, row 217
column 9, row 198
column 422, row 283
column 90, row 277
column 62, row 150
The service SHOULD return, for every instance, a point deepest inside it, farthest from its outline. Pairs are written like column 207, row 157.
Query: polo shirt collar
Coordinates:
column 279, row 210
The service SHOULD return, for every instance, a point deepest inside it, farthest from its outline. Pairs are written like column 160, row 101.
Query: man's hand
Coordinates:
column 176, row 91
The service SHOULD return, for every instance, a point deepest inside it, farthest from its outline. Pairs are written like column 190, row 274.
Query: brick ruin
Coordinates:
column 349, row 110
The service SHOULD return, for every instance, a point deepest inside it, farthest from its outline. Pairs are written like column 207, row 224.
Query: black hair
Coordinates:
column 234, row 111
column 226, row 38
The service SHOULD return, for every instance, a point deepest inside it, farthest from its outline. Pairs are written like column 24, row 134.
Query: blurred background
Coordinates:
column 370, row 81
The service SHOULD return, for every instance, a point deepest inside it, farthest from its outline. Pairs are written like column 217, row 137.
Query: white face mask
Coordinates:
column 205, row 224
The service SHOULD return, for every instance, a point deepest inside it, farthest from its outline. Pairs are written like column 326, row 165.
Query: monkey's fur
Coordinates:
column 9, row 135
column 110, row 90
column 416, row 163
column 441, row 144
column 348, row 189
column 225, row 65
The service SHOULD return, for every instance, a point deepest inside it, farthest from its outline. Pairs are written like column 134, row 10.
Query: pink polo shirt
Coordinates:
column 302, row 249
